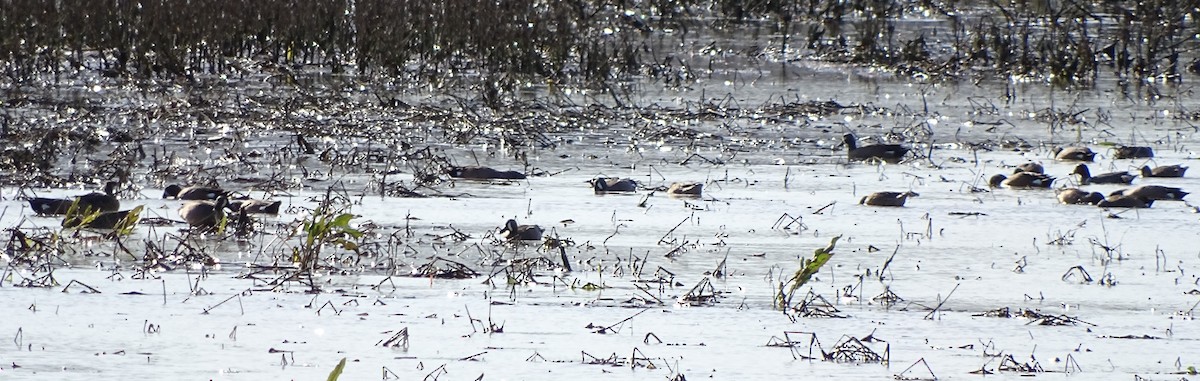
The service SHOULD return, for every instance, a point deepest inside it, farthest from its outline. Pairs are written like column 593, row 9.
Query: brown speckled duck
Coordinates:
column 193, row 193
column 685, row 189
column 1152, row 193
column 1023, row 180
column 1132, row 152
column 1124, row 201
column 204, row 214
column 886, row 198
column 1175, row 170
column 1074, row 154
column 1076, row 196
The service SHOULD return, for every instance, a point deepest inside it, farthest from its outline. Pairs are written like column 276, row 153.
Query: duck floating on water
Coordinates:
column 889, row 153
column 483, row 173
column 685, row 189
column 95, row 201
column 1023, row 180
column 514, row 232
column 1132, row 152
column 1174, row 170
column 886, row 198
column 1074, row 153
column 204, row 214
column 607, row 185
column 194, row 193
column 1085, row 176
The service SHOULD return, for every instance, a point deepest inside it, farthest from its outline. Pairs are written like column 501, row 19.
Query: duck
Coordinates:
column 1074, row 154
column 1022, row 180
column 1132, row 152
column 889, row 153
column 193, row 193
column 1152, row 193
column 1174, row 170
column 886, row 198
column 514, row 232
column 685, row 189
column 1076, row 196
column 204, row 214
column 104, row 220
column 602, row 185
column 95, row 201
column 483, row 173
column 255, row 206
column 1124, row 201
column 1085, row 176
column 1030, row 167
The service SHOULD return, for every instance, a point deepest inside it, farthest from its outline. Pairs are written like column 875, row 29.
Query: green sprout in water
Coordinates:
column 809, row 268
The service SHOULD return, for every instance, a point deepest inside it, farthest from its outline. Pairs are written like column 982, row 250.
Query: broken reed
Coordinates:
column 505, row 44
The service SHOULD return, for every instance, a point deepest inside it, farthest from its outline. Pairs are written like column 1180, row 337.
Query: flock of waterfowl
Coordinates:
column 206, row 207
column 1032, row 175
column 203, row 207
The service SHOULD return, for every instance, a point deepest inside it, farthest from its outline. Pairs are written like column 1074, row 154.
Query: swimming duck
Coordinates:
column 1124, row 201
column 514, row 232
column 1152, row 193
column 256, row 206
column 890, row 153
column 104, row 202
column 1074, row 153
column 204, row 214
column 1175, row 170
column 483, row 173
column 1030, row 167
column 602, row 184
column 886, row 198
column 104, row 220
column 685, row 189
column 1132, row 152
column 1076, row 196
column 193, row 193
column 1022, row 180
column 1085, row 176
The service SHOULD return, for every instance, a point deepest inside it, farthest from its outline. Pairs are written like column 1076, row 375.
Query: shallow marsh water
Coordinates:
column 1143, row 325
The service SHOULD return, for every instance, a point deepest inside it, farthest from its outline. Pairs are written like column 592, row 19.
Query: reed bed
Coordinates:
column 495, row 47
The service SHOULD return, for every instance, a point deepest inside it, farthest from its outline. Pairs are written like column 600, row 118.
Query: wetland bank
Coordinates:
column 354, row 114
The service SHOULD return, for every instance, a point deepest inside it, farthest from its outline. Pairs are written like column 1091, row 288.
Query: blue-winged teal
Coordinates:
column 256, row 206
column 1124, row 201
column 1175, row 170
column 602, row 184
column 483, row 173
column 886, row 198
column 514, row 232
column 685, row 189
column 193, row 193
column 1085, row 176
column 104, row 202
column 1076, row 196
column 1022, row 180
column 1132, row 152
column 1152, row 193
column 890, row 153
column 1030, row 167
column 1074, row 153
column 204, row 214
